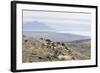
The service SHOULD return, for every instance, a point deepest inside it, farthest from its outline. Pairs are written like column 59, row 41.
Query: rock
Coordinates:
column 65, row 57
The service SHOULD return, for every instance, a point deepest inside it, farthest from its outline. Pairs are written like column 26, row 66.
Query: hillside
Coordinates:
column 41, row 49
column 83, row 47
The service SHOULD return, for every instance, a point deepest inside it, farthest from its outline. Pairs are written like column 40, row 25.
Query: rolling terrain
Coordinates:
column 41, row 49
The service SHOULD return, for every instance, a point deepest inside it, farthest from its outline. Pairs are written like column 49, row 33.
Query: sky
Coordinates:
column 59, row 22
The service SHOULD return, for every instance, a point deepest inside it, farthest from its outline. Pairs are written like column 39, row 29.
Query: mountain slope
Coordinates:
column 41, row 49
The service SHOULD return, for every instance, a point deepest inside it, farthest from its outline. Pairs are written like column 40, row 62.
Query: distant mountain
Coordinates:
column 57, row 37
column 35, row 25
column 82, row 40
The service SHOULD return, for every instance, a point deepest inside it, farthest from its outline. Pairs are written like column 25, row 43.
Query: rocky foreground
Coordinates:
column 41, row 50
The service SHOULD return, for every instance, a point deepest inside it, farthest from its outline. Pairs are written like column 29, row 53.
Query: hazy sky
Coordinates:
column 60, row 22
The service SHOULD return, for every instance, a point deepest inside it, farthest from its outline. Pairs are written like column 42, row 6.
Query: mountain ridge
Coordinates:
column 64, row 37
